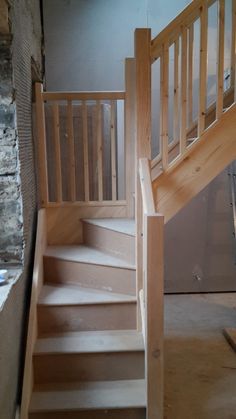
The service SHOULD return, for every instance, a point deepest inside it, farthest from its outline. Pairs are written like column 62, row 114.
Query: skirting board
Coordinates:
column 230, row 335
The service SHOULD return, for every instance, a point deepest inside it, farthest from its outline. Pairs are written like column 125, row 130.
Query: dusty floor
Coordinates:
column 200, row 366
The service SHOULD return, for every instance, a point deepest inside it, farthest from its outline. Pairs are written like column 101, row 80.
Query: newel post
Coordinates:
column 41, row 144
column 143, row 136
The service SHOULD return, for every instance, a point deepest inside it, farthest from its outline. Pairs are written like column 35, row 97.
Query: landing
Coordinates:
column 200, row 366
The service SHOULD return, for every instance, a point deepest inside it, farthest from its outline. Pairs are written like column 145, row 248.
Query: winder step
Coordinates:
column 86, row 254
column 121, row 225
column 75, row 295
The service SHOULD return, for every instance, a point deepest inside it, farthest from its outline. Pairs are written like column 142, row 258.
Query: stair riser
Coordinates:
column 93, row 414
column 57, row 319
column 113, row 242
column 119, row 280
column 88, row 367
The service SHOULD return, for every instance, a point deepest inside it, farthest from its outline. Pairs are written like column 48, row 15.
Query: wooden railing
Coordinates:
column 84, row 146
column 151, row 296
column 183, row 53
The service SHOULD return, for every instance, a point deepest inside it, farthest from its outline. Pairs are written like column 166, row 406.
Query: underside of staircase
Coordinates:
column 88, row 359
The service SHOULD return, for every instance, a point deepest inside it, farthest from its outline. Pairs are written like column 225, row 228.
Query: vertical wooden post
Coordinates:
column 71, row 145
column 164, row 89
column 220, row 69
column 154, row 269
column 85, row 149
column 184, row 60
column 190, row 74
column 130, row 134
column 57, row 148
column 176, row 91
column 143, row 139
column 42, row 148
column 113, row 152
column 202, row 68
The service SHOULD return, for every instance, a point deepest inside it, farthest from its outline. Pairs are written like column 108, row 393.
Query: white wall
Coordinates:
column 86, row 41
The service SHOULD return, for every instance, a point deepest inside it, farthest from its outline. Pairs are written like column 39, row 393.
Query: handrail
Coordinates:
column 171, row 31
column 116, row 95
column 146, row 186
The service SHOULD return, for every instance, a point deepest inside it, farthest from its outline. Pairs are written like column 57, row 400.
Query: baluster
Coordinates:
column 164, row 88
column 113, row 152
column 190, row 75
column 85, row 148
column 70, row 132
column 183, row 121
column 220, row 70
column 99, row 149
column 176, row 90
column 203, row 68
column 57, row 147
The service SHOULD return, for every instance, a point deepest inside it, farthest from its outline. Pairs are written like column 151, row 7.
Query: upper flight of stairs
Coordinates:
column 88, row 360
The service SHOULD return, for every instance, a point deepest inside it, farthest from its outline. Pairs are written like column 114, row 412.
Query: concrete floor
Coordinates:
column 200, row 366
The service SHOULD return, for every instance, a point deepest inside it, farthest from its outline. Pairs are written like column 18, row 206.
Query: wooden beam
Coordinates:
column 86, row 153
column 183, row 106
column 190, row 74
column 71, row 145
column 153, row 300
column 146, row 186
column 130, row 79
column 113, row 152
column 41, row 145
column 176, row 91
column 99, row 149
column 143, row 139
column 57, row 96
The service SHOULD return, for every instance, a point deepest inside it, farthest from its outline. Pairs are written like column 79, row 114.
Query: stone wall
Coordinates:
column 11, row 231
column 20, row 64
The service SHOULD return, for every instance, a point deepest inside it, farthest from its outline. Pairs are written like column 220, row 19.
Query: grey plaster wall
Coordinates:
column 86, row 41
column 18, row 202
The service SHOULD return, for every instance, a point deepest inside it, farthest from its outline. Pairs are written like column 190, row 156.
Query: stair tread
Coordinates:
column 89, row 395
column 91, row 342
column 75, row 295
column 121, row 225
column 86, row 254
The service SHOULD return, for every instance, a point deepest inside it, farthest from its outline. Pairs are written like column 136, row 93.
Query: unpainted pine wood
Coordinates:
column 113, row 152
column 130, row 78
column 57, row 148
column 233, row 49
column 176, row 90
column 41, row 145
column 99, row 149
column 220, row 69
column 164, row 89
column 72, row 96
column 183, row 105
column 64, row 224
column 86, row 154
column 190, row 74
column 143, row 139
column 202, row 68
column 41, row 243
column 71, row 145
column 146, row 186
column 154, row 273
column 204, row 160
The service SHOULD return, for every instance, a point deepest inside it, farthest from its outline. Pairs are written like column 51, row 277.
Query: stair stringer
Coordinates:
column 200, row 164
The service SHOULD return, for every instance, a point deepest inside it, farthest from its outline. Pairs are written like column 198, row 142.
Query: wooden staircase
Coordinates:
column 95, row 335
column 88, row 358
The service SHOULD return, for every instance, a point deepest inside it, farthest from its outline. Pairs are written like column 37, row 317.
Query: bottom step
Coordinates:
column 114, row 399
